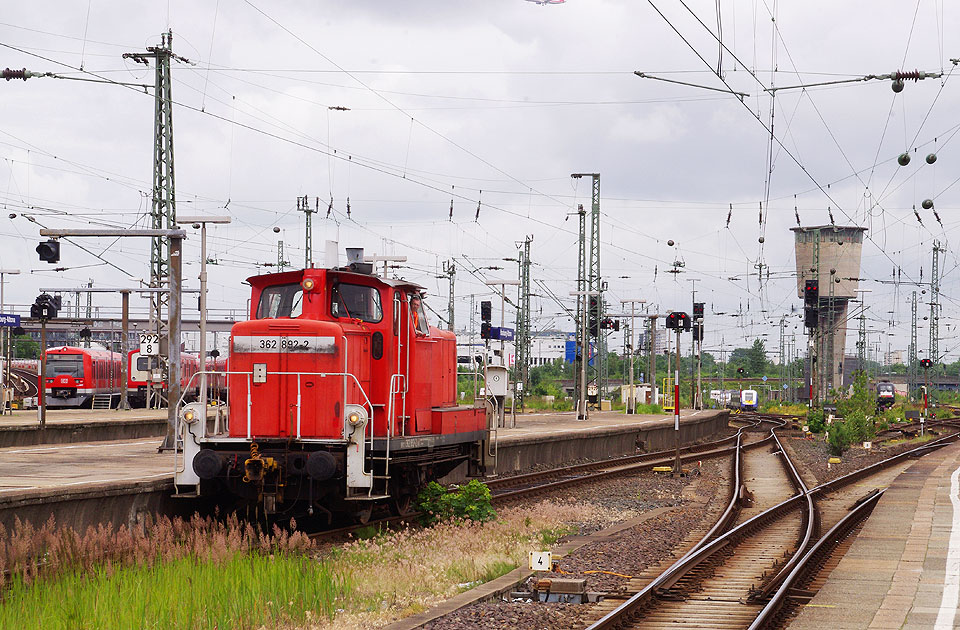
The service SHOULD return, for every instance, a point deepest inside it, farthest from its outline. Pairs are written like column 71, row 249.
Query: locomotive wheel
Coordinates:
column 364, row 514
column 403, row 505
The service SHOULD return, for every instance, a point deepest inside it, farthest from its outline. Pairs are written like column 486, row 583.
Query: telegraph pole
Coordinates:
column 580, row 371
column 450, row 268
column 201, row 221
column 912, row 352
column 934, row 355
column 163, row 212
column 89, row 309
column 523, row 323
column 303, row 205
column 653, row 359
column 693, row 343
column 595, row 282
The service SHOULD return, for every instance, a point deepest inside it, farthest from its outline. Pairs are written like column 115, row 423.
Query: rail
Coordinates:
column 845, row 525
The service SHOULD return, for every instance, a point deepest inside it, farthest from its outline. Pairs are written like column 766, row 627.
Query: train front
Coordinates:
column 305, row 392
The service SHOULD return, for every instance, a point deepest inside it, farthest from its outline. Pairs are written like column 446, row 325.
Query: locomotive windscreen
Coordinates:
column 284, row 300
column 67, row 365
column 357, row 302
column 147, row 363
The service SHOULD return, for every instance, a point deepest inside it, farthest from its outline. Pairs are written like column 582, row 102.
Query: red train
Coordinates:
column 75, row 375
column 341, row 398
column 138, row 376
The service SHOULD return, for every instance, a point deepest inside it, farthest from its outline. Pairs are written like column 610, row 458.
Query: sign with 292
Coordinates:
column 149, row 344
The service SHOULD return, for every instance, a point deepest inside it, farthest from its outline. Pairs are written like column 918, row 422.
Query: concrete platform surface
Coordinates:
column 23, row 470
column 52, row 465
column 903, row 570
column 540, row 424
column 28, row 418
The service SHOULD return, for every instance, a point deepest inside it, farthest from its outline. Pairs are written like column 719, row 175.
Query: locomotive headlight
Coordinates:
column 308, row 284
column 191, row 413
column 356, row 416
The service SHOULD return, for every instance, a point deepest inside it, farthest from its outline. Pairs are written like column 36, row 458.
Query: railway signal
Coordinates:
column 594, row 316
column 486, row 314
column 49, row 251
column 678, row 320
column 811, row 303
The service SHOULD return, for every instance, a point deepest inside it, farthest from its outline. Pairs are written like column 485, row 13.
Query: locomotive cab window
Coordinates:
column 285, row 300
column 145, row 363
column 67, row 364
column 355, row 301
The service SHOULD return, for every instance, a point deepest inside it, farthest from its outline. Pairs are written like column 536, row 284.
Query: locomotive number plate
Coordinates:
column 285, row 345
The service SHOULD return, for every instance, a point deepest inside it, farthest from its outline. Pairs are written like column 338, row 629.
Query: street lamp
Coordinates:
column 201, row 222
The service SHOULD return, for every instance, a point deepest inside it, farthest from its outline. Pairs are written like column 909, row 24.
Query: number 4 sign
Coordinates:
column 541, row 561
column 149, row 344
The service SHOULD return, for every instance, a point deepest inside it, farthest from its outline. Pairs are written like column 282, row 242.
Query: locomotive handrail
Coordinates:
column 249, row 376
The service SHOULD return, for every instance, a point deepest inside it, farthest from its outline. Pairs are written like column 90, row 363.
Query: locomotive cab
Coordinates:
column 340, row 396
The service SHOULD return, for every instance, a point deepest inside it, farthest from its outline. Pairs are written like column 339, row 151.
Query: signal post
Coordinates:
column 680, row 322
column 582, row 412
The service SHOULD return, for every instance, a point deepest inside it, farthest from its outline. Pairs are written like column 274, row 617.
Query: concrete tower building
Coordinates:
column 831, row 255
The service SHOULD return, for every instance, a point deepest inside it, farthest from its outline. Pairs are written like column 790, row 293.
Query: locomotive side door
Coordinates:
column 422, row 367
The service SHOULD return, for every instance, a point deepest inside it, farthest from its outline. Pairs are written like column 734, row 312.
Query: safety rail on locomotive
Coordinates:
column 340, row 395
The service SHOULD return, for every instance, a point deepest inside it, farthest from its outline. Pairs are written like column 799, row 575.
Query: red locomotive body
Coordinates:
column 75, row 375
column 340, row 397
column 139, row 368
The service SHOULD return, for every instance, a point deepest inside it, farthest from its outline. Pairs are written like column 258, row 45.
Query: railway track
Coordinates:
column 525, row 486
column 751, row 568
column 24, row 382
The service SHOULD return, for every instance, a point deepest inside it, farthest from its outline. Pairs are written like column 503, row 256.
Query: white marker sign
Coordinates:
column 149, row 344
column 541, row 561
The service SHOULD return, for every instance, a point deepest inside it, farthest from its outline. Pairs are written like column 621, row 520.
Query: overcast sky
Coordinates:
column 448, row 99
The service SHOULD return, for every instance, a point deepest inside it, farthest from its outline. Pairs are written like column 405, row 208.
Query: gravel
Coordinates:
column 813, row 455
column 628, row 552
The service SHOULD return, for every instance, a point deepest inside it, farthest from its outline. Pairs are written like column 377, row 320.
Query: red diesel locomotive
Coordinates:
column 340, row 397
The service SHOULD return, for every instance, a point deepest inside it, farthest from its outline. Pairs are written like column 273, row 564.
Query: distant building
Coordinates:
column 547, row 347
column 894, row 357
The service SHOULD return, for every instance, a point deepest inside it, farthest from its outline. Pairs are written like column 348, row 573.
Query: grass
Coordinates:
column 204, row 574
column 244, row 591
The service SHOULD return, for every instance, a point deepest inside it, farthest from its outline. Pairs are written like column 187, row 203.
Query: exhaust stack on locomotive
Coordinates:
column 340, row 396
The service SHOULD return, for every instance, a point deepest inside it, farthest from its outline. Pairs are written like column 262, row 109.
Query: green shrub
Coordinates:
column 838, row 437
column 815, row 420
column 859, row 427
column 468, row 502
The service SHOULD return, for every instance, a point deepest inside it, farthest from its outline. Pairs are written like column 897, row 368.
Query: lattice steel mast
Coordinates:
column 595, row 282
column 523, row 324
column 163, row 210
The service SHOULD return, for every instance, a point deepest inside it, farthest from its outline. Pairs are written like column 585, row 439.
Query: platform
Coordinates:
column 117, row 481
column 22, row 428
column 903, row 569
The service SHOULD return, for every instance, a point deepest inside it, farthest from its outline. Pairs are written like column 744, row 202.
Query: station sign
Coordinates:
column 9, row 320
column 502, row 333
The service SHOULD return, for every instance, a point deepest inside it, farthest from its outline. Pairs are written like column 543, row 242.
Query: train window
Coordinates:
column 376, row 345
column 356, row 302
column 284, row 300
column 66, row 364
column 147, row 363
